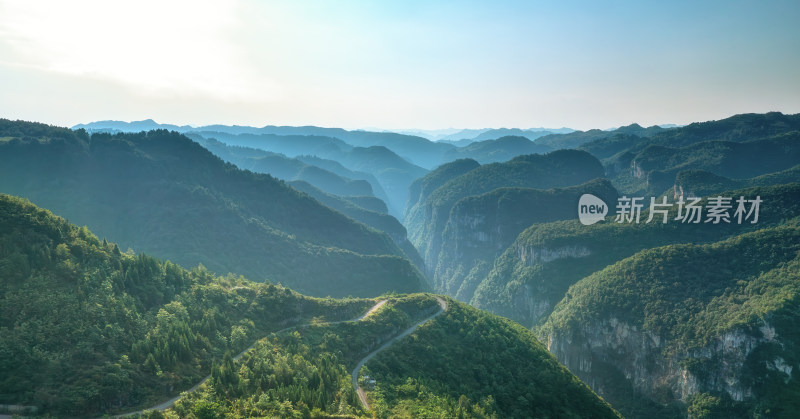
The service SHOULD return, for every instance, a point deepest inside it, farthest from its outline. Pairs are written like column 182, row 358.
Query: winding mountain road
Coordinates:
column 169, row 403
column 362, row 395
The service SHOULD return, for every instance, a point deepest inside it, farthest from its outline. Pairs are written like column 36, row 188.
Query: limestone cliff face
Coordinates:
column 514, row 287
column 429, row 216
column 419, row 213
column 480, row 228
column 471, row 240
column 472, row 237
column 609, row 350
column 532, row 255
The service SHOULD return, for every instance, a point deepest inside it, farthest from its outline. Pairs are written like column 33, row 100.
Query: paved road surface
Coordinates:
column 362, row 395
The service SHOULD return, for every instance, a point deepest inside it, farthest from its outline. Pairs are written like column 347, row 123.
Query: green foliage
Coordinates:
column 737, row 128
column 468, row 363
column 85, row 329
column 556, row 169
column 377, row 220
column 607, row 147
column 576, row 251
column 336, row 167
column 690, row 294
column 659, row 164
column 618, row 148
column 689, row 297
column 706, row 406
column 450, row 367
column 304, row 372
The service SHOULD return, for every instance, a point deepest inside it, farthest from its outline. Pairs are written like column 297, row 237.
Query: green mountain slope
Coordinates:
column 737, row 128
column 289, row 145
column 162, row 193
column 85, row 329
column 534, row 273
column 370, row 203
column 409, row 374
column 653, row 169
column 468, row 363
column 714, row 326
column 606, row 147
column 394, row 173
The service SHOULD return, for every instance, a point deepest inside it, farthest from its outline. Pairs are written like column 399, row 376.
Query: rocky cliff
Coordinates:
column 649, row 332
column 480, row 228
column 429, row 218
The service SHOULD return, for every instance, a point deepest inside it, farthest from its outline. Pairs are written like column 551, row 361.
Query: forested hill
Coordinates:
column 88, row 330
column 534, row 273
column 162, row 193
column 713, row 325
column 463, row 363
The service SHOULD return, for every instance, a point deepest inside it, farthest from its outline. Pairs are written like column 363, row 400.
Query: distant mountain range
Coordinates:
column 450, row 134
column 161, row 192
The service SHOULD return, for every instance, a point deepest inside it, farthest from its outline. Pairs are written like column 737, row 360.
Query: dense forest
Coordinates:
column 88, row 329
column 116, row 331
column 516, row 376
column 551, row 257
column 305, row 372
column 719, row 319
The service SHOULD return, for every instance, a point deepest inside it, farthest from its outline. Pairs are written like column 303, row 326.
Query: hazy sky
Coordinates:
column 398, row 64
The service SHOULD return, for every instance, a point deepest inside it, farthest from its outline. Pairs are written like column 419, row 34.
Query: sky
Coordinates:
column 398, row 64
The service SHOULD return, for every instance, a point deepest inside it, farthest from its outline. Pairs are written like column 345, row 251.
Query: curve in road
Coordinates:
column 169, row 403
column 362, row 395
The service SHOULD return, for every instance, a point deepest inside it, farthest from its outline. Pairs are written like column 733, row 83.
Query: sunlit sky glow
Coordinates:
column 398, row 64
